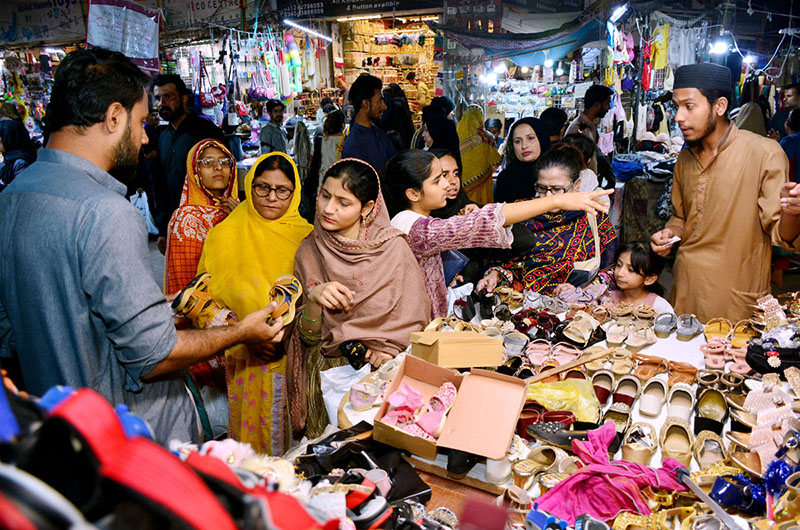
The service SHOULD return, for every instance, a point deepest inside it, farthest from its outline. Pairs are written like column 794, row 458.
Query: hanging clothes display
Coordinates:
column 660, row 46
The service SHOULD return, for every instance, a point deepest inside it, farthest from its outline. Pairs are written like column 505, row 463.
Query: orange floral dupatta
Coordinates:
column 199, row 212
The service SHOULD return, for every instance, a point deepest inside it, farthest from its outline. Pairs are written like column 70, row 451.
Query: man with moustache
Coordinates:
column 185, row 129
column 731, row 199
column 78, row 300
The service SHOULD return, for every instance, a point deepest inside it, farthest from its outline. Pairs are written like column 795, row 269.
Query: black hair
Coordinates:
column 275, row 103
column 493, row 122
column 175, row 79
column 334, row 123
column 583, row 144
column 278, row 162
column 411, row 76
column 555, row 119
column 596, row 94
column 325, row 101
column 794, row 120
column 327, row 109
column 643, row 261
column 713, row 95
column 407, row 169
column 364, row 88
column 357, row 177
column 86, row 83
column 795, row 86
column 441, row 153
column 562, row 156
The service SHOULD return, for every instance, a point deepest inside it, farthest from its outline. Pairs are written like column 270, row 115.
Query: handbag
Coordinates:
column 583, row 272
column 207, row 99
column 453, row 262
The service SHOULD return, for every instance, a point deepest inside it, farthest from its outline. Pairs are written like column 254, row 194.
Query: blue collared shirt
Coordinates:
column 78, row 300
column 370, row 144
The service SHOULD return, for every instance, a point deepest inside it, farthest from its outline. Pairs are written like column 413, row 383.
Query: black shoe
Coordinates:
column 459, row 463
column 487, row 301
column 555, row 433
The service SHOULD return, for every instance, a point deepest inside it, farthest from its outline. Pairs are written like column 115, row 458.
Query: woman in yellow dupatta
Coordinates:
column 244, row 255
column 479, row 156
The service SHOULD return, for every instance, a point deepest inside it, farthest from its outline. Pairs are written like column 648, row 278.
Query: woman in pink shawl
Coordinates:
column 361, row 283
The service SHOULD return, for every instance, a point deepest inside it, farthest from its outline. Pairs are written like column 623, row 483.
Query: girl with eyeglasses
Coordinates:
column 244, row 255
column 416, row 186
column 562, row 235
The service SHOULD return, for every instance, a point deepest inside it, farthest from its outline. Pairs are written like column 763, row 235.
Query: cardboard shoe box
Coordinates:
column 481, row 421
column 457, row 349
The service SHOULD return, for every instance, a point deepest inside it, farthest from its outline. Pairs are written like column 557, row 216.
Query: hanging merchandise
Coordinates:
column 207, row 99
column 660, row 43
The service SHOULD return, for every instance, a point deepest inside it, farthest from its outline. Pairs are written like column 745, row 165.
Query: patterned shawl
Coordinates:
column 199, row 212
column 560, row 240
column 479, row 156
column 390, row 300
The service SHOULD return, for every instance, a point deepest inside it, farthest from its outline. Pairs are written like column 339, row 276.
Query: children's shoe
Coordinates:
column 432, row 421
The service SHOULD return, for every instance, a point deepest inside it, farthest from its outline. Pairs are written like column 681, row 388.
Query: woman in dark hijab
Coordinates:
column 396, row 119
column 438, row 132
column 527, row 140
column 18, row 150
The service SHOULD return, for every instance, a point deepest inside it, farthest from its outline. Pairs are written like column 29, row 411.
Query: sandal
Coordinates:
column 645, row 315
column 717, row 328
column 622, row 313
column 617, row 333
column 664, row 324
column 538, row 351
column 581, row 328
column 621, row 362
column 740, row 365
column 564, row 353
column 640, row 337
column 707, row 379
column 648, row 366
column 708, row 449
column 597, row 364
column 185, row 303
column 714, row 354
column 285, row 293
column 680, row 373
column 688, row 327
column 742, row 333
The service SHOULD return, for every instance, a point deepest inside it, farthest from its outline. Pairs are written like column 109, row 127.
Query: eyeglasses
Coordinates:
column 212, row 162
column 280, row 192
column 544, row 190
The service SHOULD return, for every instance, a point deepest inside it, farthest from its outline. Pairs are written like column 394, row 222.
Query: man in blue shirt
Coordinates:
column 78, row 302
column 366, row 141
column 791, row 143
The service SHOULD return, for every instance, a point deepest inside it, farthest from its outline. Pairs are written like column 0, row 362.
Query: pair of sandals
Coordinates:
column 719, row 351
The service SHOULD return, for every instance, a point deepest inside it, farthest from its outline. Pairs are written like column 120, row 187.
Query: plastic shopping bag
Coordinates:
column 139, row 199
column 574, row 395
column 335, row 383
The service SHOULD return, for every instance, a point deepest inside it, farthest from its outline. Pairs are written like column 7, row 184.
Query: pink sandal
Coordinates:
column 432, row 419
column 714, row 353
column 564, row 353
column 406, row 396
column 538, row 351
column 739, row 365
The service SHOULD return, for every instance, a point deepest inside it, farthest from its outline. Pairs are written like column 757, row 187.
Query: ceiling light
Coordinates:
column 525, row 69
column 500, row 68
column 750, row 59
column 720, row 47
column 548, row 63
column 559, row 70
column 307, row 30
column 618, row 12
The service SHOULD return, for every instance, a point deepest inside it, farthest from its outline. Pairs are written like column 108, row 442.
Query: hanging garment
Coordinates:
column 641, row 122
column 606, row 142
column 647, row 66
column 660, row 46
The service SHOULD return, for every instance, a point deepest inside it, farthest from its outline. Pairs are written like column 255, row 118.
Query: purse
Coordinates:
column 207, row 99
column 453, row 262
column 583, row 272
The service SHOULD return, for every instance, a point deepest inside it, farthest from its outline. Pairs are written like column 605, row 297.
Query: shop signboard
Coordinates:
column 189, row 14
column 126, row 27
column 551, row 6
column 350, row 8
column 42, row 21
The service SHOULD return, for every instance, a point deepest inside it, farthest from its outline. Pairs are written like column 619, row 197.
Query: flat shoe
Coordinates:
column 639, row 444
column 677, row 440
column 680, row 402
column 688, row 327
column 708, row 448
column 712, row 412
column 717, row 328
column 648, row 366
column 664, row 324
column 653, row 396
column 602, row 382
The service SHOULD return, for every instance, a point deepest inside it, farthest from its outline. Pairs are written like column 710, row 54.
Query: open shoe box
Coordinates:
column 457, row 349
column 483, row 417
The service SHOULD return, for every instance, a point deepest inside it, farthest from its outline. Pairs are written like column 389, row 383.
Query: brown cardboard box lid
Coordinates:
column 484, row 415
column 429, row 338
